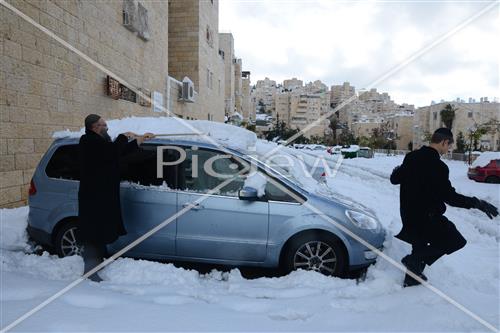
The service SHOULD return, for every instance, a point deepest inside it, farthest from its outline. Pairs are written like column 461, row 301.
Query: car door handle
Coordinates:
column 194, row 206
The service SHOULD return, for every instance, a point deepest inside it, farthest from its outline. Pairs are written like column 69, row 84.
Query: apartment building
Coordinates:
column 292, row 84
column 265, row 93
column 226, row 45
column 467, row 116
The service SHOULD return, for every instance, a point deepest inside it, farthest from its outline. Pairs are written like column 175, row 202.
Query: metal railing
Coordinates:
column 450, row 156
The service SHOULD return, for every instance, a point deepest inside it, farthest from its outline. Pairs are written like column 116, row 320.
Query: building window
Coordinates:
column 469, row 114
column 435, row 116
column 210, row 36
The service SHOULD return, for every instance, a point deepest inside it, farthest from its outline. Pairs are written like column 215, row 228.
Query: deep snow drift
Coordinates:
column 139, row 295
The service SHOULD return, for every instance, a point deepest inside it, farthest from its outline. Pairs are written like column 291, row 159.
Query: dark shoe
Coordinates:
column 416, row 268
column 409, row 281
column 95, row 277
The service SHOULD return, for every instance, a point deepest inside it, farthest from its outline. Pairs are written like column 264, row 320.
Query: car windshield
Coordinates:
column 278, row 171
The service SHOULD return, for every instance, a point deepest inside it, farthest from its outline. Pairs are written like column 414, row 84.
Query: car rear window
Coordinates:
column 64, row 163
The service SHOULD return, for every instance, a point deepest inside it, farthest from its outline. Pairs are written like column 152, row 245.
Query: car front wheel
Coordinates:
column 316, row 252
column 66, row 243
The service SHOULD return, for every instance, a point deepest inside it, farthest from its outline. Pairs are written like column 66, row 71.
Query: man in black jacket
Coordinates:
column 99, row 210
column 425, row 188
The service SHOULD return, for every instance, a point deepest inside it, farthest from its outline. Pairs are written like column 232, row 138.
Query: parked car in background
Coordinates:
column 366, row 152
column 489, row 173
column 350, row 151
column 236, row 226
column 335, row 150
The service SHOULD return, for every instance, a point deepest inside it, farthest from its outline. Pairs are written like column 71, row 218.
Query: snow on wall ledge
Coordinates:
column 228, row 135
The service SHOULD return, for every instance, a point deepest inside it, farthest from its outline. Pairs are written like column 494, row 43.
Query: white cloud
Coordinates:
column 358, row 42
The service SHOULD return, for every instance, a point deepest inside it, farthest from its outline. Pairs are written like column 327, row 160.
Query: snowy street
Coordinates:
column 150, row 296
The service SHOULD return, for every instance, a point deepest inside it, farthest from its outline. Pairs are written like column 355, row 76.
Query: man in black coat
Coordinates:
column 425, row 188
column 99, row 210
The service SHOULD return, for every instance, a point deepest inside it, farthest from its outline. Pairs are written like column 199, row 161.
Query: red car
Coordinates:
column 489, row 173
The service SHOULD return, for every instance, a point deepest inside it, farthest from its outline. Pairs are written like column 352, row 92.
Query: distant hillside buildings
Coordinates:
column 361, row 112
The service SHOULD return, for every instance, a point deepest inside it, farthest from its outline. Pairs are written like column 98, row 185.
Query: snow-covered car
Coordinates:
column 334, row 150
column 269, row 224
column 486, row 168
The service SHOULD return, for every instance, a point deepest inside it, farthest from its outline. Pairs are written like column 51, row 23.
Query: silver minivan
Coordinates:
column 236, row 226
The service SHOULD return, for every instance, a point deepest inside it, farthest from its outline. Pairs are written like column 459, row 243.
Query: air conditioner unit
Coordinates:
column 187, row 90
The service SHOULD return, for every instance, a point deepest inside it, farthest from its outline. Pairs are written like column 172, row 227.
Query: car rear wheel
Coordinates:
column 316, row 252
column 492, row 180
column 66, row 243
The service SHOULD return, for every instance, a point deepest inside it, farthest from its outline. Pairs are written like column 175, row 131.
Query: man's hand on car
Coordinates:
column 148, row 136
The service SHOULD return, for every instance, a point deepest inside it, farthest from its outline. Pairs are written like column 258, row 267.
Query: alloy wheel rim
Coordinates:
column 69, row 244
column 316, row 256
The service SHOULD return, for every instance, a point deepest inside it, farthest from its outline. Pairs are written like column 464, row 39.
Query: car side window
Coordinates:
column 276, row 193
column 64, row 163
column 204, row 169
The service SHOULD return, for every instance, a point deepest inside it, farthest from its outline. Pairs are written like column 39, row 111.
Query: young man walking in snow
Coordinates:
column 425, row 188
column 99, row 210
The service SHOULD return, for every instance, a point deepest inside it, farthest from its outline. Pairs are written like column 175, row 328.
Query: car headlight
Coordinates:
column 361, row 220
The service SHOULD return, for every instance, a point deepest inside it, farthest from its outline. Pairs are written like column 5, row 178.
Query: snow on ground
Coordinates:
column 139, row 295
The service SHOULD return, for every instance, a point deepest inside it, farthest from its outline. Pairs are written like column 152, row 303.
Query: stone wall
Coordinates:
column 44, row 87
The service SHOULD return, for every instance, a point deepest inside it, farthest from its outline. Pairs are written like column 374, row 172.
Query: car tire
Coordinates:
column 66, row 240
column 492, row 180
column 302, row 252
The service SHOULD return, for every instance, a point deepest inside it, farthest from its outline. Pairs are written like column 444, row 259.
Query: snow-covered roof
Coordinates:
column 225, row 134
column 485, row 158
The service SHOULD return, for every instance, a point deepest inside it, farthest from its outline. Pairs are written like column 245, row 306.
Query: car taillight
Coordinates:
column 32, row 190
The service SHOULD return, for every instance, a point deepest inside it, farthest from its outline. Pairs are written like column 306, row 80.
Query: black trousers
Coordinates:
column 93, row 254
column 444, row 239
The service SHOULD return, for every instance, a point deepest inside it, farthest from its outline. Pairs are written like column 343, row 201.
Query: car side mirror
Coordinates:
column 248, row 193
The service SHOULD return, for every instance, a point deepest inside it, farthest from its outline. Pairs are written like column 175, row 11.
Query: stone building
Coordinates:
column 226, row 45
column 341, row 93
column 193, row 51
column 115, row 51
column 282, row 104
column 402, row 127
column 237, row 82
column 264, row 92
column 467, row 116
column 305, row 109
column 247, row 104
column 364, row 127
column 292, row 84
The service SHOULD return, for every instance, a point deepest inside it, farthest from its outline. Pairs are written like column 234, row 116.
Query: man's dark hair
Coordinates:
column 90, row 120
column 441, row 134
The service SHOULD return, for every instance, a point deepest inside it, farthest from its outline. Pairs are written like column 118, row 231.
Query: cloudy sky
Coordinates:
column 337, row 41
